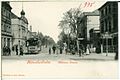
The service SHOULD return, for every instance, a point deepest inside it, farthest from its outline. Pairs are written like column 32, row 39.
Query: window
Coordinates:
column 9, row 15
column 4, row 12
column 5, row 27
column 102, row 27
column 106, row 10
column 109, row 26
column 2, row 26
column 9, row 29
column 109, row 41
column 102, row 13
column 105, row 26
column 4, row 41
column 109, row 8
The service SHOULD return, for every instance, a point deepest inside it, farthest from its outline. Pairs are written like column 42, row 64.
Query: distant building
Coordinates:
column 6, row 30
column 20, row 31
column 109, row 25
column 88, row 20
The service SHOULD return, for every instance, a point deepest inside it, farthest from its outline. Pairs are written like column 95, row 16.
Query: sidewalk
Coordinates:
column 95, row 57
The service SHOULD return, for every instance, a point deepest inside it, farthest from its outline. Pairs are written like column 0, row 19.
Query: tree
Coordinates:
column 45, row 40
column 70, row 21
column 71, row 18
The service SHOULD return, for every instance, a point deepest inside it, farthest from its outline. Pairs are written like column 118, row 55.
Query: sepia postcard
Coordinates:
column 59, row 39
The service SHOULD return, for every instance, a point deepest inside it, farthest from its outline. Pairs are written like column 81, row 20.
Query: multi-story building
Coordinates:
column 88, row 20
column 109, row 25
column 6, row 30
column 20, row 31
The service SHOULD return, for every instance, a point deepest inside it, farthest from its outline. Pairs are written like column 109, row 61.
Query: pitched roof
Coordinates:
column 107, row 3
column 13, row 16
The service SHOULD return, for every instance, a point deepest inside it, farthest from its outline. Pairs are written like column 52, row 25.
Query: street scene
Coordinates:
column 79, row 34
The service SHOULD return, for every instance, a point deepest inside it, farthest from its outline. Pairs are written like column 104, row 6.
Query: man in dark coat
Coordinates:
column 49, row 50
column 16, row 50
column 98, row 48
column 21, row 51
column 54, row 48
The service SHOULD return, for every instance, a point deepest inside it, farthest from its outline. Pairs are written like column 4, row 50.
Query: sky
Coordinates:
column 45, row 16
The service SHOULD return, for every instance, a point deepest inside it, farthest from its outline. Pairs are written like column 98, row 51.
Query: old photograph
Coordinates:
column 59, row 39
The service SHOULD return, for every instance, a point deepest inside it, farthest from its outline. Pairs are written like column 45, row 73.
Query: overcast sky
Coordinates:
column 45, row 16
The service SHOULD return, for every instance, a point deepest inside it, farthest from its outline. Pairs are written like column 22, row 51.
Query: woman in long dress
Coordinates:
column 87, row 52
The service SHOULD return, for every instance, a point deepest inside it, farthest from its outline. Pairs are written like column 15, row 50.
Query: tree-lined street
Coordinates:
column 59, row 39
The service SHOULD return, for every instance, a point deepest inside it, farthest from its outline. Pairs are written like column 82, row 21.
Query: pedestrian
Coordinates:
column 81, row 50
column 49, row 50
column 66, row 51
column 13, row 48
column 21, row 51
column 16, row 50
column 94, row 49
column 54, row 48
column 98, row 51
column 60, row 50
column 98, row 48
column 4, row 50
column 57, row 49
column 87, row 51
column 116, row 51
column 9, row 51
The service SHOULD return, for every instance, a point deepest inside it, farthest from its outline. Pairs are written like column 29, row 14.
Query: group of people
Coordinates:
column 16, row 50
column 6, row 51
column 55, row 49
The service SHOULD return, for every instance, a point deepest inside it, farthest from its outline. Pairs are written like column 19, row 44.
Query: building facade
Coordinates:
column 88, row 20
column 109, row 26
column 6, row 28
column 20, row 32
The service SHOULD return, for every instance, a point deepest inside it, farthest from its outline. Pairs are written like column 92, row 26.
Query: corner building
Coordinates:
column 109, row 26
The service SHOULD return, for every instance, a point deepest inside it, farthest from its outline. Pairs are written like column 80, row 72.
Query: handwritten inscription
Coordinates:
column 87, row 4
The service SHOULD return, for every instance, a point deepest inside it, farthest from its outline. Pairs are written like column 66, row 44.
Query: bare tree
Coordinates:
column 71, row 21
column 71, row 18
